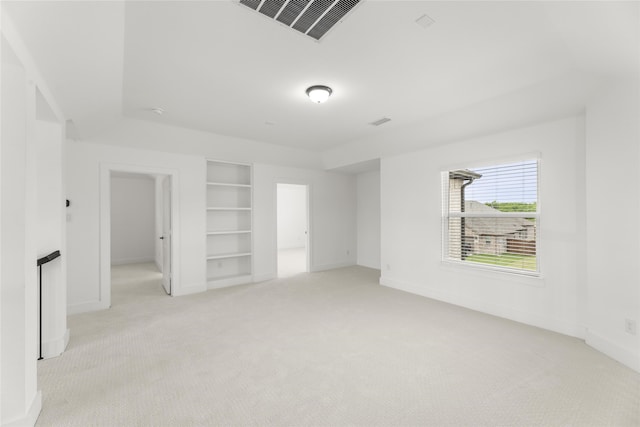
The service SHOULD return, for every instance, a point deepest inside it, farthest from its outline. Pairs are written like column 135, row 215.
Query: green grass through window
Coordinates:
column 524, row 262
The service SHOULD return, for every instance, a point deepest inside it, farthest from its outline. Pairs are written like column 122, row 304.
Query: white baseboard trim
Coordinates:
column 178, row 291
column 613, row 350
column 264, row 277
column 325, row 267
column 55, row 347
column 85, row 307
column 549, row 323
column 231, row 281
column 139, row 260
column 30, row 418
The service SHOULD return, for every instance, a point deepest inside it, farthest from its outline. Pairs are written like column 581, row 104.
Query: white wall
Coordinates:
column 147, row 135
column 85, row 162
column 292, row 216
column 411, row 227
column 613, row 218
column 49, row 235
column 132, row 219
column 332, row 225
column 20, row 401
column 368, row 187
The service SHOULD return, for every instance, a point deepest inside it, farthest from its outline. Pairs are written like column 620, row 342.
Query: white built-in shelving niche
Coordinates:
column 229, row 224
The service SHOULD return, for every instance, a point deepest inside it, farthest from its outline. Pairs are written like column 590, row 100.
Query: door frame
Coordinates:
column 105, row 223
column 167, row 241
column 309, row 238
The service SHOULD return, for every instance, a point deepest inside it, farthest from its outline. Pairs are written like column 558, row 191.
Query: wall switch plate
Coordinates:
column 630, row 326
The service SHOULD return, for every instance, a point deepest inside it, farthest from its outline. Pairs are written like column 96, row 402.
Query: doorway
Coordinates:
column 292, row 229
column 140, row 212
column 148, row 240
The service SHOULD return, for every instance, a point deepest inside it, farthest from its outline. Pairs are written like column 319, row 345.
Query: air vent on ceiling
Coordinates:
column 380, row 121
column 311, row 17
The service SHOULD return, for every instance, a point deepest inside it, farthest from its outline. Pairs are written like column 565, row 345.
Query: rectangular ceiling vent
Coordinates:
column 313, row 18
column 380, row 121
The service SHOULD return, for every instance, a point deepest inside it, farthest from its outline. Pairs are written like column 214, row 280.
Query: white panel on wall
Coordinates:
column 369, row 219
column 132, row 219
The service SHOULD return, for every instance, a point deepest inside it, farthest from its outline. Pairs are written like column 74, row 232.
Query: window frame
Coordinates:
column 446, row 215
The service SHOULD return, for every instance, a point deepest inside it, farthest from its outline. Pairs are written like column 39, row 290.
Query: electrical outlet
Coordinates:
column 219, row 264
column 630, row 326
column 388, row 267
column 348, row 251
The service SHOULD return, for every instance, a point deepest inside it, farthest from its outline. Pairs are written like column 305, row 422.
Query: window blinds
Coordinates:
column 491, row 216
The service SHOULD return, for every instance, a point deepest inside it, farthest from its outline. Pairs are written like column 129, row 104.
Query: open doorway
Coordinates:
column 138, row 225
column 140, row 212
column 292, row 229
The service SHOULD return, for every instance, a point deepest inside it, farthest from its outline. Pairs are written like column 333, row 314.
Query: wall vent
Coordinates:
column 313, row 18
column 380, row 121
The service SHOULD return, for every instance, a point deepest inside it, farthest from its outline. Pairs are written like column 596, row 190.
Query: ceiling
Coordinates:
column 220, row 67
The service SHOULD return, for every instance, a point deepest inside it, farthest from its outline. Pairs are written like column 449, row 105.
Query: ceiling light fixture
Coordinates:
column 319, row 93
column 159, row 111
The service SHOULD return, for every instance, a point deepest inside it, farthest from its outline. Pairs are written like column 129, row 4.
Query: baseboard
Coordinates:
column 532, row 319
column 85, row 307
column 188, row 290
column 613, row 350
column 264, row 277
column 230, row 281
column 325, row 267
column 55, row 347
column 30, row 418
column 132, row 260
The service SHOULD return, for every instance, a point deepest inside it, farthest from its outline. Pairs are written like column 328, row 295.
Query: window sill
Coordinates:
column 532, row 278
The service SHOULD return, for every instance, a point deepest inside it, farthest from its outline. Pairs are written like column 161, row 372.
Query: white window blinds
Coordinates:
column 490, row 216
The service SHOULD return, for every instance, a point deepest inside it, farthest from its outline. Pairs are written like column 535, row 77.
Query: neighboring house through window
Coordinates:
column 490, row 216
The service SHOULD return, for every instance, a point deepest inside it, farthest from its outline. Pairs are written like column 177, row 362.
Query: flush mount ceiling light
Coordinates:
column 319, row 93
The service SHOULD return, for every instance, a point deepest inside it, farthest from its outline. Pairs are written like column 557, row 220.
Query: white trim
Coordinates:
column 230, row 281
column 613, row 350
column 31, row 416
column 55, row 347
column 264, row 277
column 189, row 289
column 105, row 224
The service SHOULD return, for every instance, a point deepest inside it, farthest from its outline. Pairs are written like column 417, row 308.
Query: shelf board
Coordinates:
column 219, row 233
column 232, row 255
column 228, row 209
column 227, row 184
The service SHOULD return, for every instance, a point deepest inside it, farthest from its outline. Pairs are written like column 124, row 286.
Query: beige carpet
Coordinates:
column 322, row 349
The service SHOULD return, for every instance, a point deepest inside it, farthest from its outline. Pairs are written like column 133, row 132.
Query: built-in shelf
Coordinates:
column 233, row 255
column 221, row 233
column 229, row 224
column 225, row 184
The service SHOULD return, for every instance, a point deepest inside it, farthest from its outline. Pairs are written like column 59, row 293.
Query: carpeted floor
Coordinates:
column 321, row 349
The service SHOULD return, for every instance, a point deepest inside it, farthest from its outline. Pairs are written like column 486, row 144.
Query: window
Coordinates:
column 490, row 216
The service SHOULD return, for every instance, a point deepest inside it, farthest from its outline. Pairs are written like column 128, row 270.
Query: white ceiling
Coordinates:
column 220, row 67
